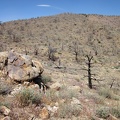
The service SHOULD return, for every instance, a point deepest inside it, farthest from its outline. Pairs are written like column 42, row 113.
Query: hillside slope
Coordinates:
column 62, row 35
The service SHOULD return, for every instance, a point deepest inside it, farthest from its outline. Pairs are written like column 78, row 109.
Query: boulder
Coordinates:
column 4, row 110
column 20, row 67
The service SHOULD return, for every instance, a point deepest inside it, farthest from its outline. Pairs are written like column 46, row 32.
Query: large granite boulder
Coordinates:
column 20, row 67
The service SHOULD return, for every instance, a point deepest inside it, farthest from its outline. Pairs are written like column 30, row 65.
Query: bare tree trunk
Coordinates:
column 76, row 56
column 89, row 58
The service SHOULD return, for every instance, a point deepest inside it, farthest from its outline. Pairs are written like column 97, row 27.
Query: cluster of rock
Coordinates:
column 19, row 67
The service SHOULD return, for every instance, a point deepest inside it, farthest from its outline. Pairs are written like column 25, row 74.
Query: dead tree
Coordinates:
column 51, row 53
column 89, row 57
column 26, row 51
column 0, row 22
column 89, row 63
column 75, row 49
column 35, row 50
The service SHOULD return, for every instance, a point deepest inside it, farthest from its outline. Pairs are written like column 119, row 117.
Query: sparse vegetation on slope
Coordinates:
column 61, row 43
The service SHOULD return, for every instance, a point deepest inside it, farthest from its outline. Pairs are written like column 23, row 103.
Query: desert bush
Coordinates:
column 102, row 112
column 51, row 53
column 67, row 110
column 28, row 96
column 63, row 93
column 108, row 93
column 5, row 88
column 45, row 78
column 98, row 99
column 115, row 111
column 52, row 95
column 67, row 94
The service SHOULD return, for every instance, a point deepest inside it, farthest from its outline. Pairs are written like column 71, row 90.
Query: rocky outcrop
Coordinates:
column 19, row 67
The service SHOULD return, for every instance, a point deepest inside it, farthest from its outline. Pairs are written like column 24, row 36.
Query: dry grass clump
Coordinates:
column 108, row 93
column 28, row 96
column 52, row 95
column 63, row 93
column 67, row 94
column 98, row 99
column 67, row 110
column 104, row 112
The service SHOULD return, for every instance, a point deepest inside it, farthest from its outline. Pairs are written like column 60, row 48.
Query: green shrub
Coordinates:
column 102, row 112
column 28, row 96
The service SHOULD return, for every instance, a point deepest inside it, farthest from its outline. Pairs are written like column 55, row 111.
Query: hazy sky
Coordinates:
column 22, row 9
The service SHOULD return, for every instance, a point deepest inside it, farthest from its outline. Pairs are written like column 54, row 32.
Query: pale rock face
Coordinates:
column 20, row 67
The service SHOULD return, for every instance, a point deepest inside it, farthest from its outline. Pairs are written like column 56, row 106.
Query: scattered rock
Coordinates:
column 26, row 83
column 111, row 117
column 16, row 89
column 75, row 101
column 52, row 109
column 4, row 110
column 6, row 118
column 35, row 87
column 32, row 117
column 44, row 114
